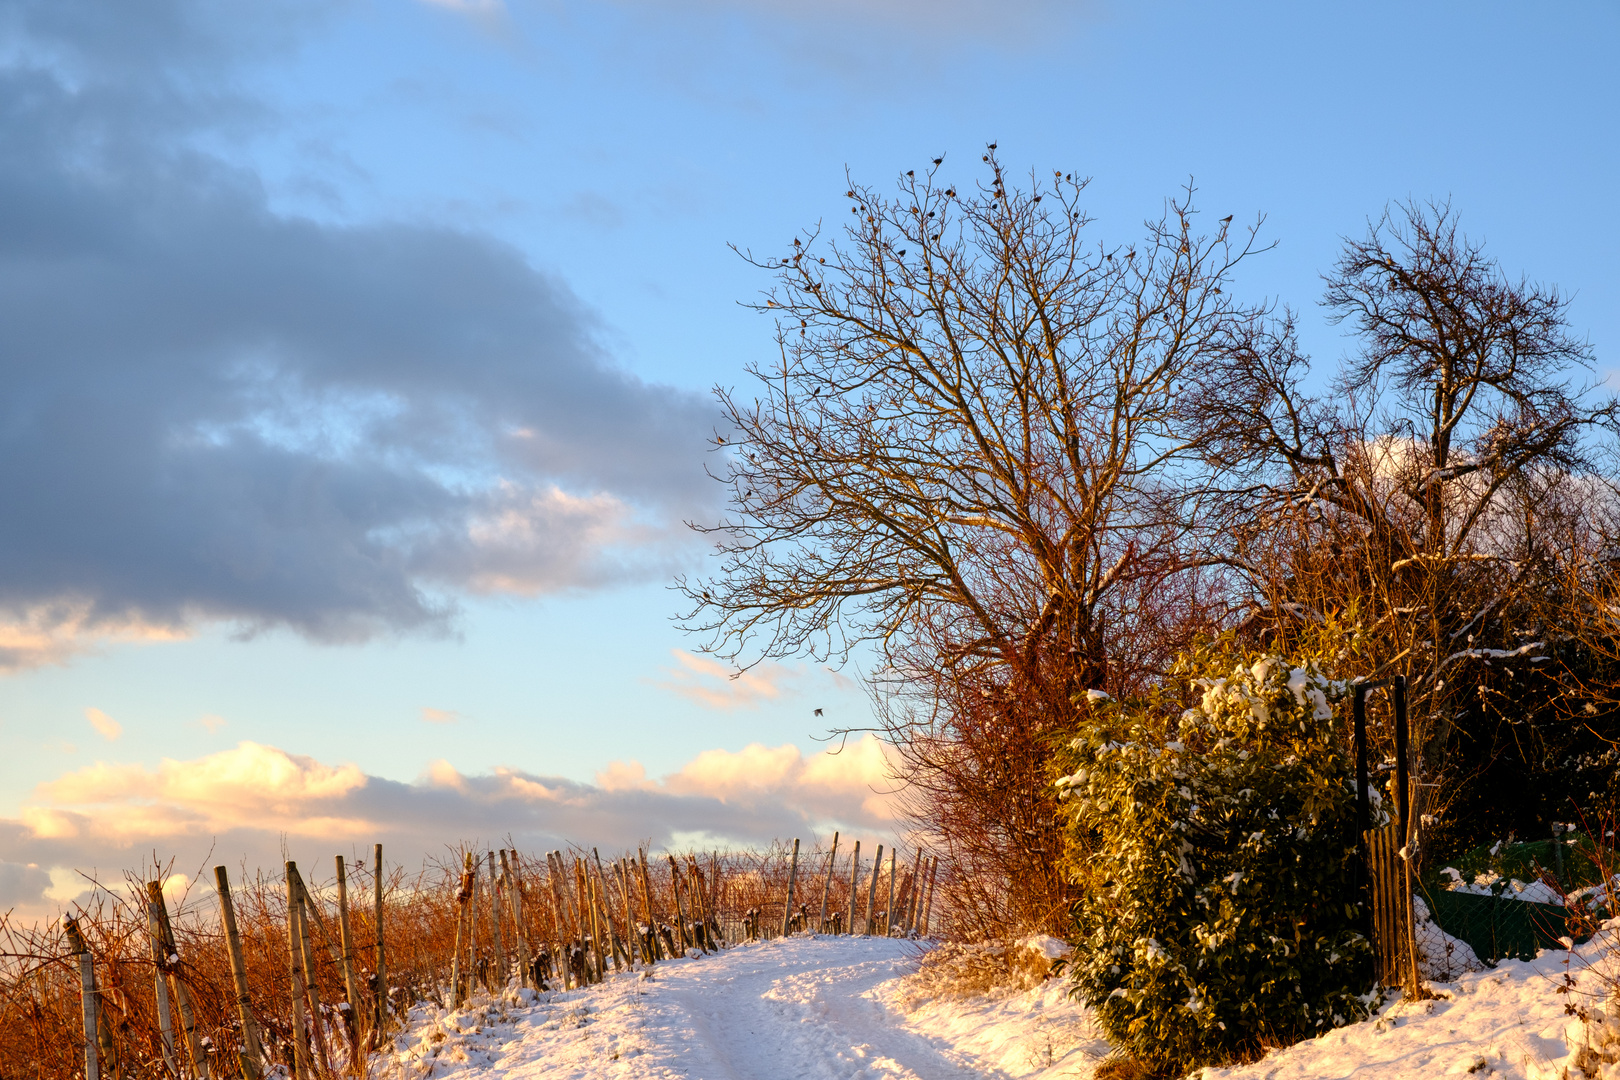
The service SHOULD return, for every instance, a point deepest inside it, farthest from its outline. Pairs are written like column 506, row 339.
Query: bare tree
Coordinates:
column 1435, row 485
column 968, row 456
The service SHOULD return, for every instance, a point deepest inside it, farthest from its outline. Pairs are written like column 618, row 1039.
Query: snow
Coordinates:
column 806, row 1008
column 1507, row 1022
column 1047, row 946
column 1535, row 892
column 817, row 1008
column 1441, row 957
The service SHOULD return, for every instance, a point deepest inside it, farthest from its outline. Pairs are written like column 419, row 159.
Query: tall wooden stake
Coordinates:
column 681, row 928
column 460, row 975
column 497, row 939
column 559, row 917
column 160, row 964
column 379, row 1002
column 793, row 875
column 854, row 882
column 351, row 988
column 472, row 861
column 295, row 964
column 572, row 893
column 87, row 996
column 607, row 910
column 646, row 899
column 588, row 897
column 826, row 885
column 703, row 915
column 888, row 916
column 514, row 901
column 252, row 1056
column 871, row 889
column 636, row 946
column 928, row 904
column 913, row 894
column 312, row 983
column 182, row 994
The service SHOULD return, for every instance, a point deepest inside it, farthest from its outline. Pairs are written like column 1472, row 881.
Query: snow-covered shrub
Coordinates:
column 1214, row 853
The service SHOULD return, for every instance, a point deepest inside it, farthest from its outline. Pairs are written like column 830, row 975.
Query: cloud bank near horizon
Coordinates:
column 242, row 805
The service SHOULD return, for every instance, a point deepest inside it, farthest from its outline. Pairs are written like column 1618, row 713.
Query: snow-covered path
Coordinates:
column 837, row 1008
column 776, row 1006
column 803, row 1008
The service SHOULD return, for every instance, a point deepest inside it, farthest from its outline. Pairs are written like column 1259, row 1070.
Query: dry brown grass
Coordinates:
column 1124, row 1068
column 40, row 1023
column 955, row 972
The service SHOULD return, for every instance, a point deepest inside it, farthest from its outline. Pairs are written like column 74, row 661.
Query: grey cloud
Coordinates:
column 215, row 412
column 21, row 885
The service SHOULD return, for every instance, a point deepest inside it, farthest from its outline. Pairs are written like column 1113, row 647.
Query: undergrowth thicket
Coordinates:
column 1215, row 850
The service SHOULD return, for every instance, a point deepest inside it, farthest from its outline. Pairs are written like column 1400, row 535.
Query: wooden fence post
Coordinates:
column 460, row 973
column 581, row 931
column 705, row 913
column 826, row 885
column 497, row 939
column 88, row 1005
column 684, row 930
column 888, row 916
column 697, row 903
column 350, row 987
column 793, row 874
column 646, row 899
column 295, row 963
column 871, row 889
column 637, row 946
column 587, row 923
column 160, row 964
column 312, row 984
column 379, row 1002
column 607, row 912
column 514, row 901
column 559, row 919
column 596, row 920
column 472, row 862
column 251, row 1057
column 854, row 883
column 913, row 893
column 928, row 903
column 182, row 994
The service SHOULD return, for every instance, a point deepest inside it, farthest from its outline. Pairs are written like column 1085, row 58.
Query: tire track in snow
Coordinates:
column 780, row 1011
column 796, row 1009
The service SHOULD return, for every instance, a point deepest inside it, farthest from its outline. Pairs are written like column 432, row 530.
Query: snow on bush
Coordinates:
column 1215, row 857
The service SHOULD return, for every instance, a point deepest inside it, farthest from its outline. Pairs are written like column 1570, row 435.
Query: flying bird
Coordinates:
column 818, row 712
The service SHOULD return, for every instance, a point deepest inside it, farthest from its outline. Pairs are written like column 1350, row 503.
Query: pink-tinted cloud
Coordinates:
column 105, row 726
column 711, row 683
column 238, row 805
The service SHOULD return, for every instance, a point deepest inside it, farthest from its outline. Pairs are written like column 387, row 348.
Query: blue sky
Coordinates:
column 359, row 351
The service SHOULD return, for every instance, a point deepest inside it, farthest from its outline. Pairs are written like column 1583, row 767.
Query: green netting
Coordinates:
column 1497, row 927
column 1570, row 858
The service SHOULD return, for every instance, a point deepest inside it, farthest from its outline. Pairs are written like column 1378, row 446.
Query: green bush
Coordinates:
column 1215, row 854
